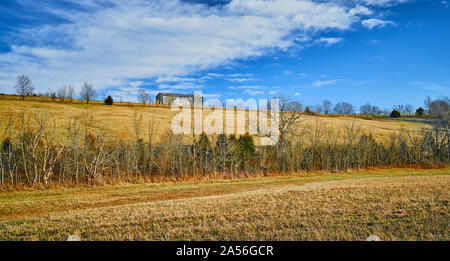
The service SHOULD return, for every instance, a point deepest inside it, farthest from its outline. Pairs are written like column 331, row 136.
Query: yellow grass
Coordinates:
column 395, row 204
column 120, row 119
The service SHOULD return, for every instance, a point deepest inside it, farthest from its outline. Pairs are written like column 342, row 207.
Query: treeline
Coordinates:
column 67, row 93
column 35, row 153
column 437, row 107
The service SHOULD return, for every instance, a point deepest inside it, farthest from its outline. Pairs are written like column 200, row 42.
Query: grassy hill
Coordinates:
column 120, row 117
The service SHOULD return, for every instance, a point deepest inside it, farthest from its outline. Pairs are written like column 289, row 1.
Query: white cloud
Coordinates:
column 274, row 92
column 240, row 77
column 253, row 92
column 112, row 42
column 297, row 94
column 320, row 83
column 302, row 75
column 328, row 41
column 384, row 2
column 430, row 86
column 373, row 22
column 376, row 59
column 250, row 89
column 287, row 72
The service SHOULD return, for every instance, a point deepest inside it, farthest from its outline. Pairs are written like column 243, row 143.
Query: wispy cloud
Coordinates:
column 320, row 83
column 376, row 59
column 373, row 22
column 250, row 89
column 240, row 77
column 384, row 2
column 328, row 40
column 302, row 75
column 430, row 86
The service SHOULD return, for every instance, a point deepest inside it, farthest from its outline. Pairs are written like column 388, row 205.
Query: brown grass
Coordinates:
column 120, row 119
column 395, row 204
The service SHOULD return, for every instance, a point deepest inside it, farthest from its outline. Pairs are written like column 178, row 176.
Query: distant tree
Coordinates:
column 440, row 106
column 427, row 103
column 400, row 108
column 420, row 111
column 318, row 108
column 366, row 109
column 24, row 86
column 53, row 96
column 87, row 92
column 61, row 93
column 307, row 110
column 376, row 110
column 385, row 111
column 143, row 97
column 109, row 100
column 294, row 106
column 70, row 93
column 404, row 108
column 344, row 108
column 395, row 114
column 326, row 104
column 409, row 109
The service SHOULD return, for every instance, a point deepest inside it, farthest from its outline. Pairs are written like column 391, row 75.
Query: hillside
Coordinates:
column 120, row 118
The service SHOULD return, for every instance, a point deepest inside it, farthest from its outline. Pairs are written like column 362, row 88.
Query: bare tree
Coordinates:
column 409, row 109
column 440, row 106
column 62, row 93
column 70, row 93
column 23, row 86
column 52, row 95
column 318, row 108
column 143, row 97
column 344, row 108
column 87, row 92
column 365, row 109
column 376, row 110
column 427, row 104
column 326, row 105
column 368, row 109
column 290, row 113
column 400, row 108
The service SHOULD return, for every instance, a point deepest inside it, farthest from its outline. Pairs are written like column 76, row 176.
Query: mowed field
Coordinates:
column 395, row 204
column 120, row 119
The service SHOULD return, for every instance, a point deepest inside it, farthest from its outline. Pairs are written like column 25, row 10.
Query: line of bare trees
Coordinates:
column 437, row 107
column 65, row 93
column 35, row 153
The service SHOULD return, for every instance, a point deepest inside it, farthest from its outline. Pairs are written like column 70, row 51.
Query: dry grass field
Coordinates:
column 395, row 204
column 120, row 119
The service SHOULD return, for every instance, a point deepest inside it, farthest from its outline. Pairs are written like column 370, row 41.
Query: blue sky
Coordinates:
column 385, row 52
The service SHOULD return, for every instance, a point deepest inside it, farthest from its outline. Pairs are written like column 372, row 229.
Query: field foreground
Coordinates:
column 395, row 204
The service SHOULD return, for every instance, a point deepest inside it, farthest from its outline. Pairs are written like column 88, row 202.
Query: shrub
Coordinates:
column 246, row 146
column 395, row 114
column 109, row 100
column 307, row 110
column 419, row 112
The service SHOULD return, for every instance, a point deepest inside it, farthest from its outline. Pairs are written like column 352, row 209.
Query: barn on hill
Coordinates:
column 184, row 99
